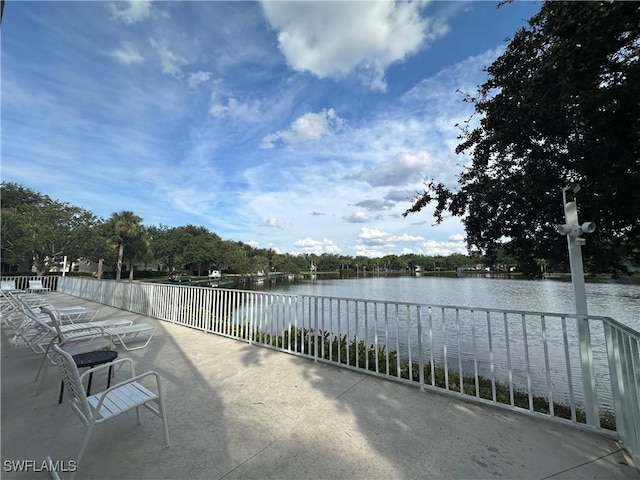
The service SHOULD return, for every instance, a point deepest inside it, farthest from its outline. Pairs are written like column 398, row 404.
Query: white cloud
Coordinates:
column 358, row 217
column 310, row 126
column 373, row 242
column 169, row 61
column 400, row 195
column 272, row 223
column 375, row 204
column 333, row 39
column 130, row 12
column 196, row 78
column 369, row 251
column 309, row 245
column 233, row 108
column 404, row 169
column 126, row 54
column 432, row 247
column 372, row 236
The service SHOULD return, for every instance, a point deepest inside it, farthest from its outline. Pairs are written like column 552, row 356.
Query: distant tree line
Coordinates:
column 39, row 231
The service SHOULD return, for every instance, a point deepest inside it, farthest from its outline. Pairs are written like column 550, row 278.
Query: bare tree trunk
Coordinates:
column 131, row 271
column 99, row 272
column 119, row 265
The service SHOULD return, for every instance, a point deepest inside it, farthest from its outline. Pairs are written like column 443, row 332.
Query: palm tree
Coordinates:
column 125, row 226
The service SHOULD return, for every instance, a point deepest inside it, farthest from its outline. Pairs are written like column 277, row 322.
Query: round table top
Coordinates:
column 91, row 359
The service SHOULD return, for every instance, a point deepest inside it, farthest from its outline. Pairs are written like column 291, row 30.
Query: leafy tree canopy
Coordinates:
column 41, row 229
column 561, row 105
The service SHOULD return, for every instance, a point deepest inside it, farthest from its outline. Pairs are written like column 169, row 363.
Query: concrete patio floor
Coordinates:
column 237, row 411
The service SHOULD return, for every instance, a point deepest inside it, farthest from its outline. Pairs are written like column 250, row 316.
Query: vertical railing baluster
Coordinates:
column 375, row 337
column 458, row 333
column 386, row 337
column 340, row 335
column 492, row 368
column 475, row 353
column 347, row 306
column 420, row 348
column 322, row 330
column 315, row 329
column 526, row 361
column 397, row 321
column 366, row 335
column 567, row 359
column 332, row 334
column 432, row 359
column 409, row 343
column 547, row 367
column 297, row 304
column 446, row 362
column 357, row 329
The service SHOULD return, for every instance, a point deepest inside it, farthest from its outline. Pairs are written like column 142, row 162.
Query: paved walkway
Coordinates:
column 245, row 412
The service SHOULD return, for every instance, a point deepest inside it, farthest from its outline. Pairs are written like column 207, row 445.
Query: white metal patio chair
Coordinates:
column 87, row 338
column 9, row 285
column 120, row 331
column 101, row 407
column 10, row 309
column 36, row 286
column 39, row 328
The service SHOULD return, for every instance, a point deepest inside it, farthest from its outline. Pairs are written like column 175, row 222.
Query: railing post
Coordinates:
column 584, row 335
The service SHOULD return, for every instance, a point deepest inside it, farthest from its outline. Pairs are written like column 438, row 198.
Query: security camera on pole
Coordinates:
column 574, row 231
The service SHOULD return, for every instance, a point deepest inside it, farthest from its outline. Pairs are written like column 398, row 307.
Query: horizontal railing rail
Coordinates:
column 525, row 361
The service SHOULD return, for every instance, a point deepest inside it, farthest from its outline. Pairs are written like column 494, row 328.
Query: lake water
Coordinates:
column 620, row 301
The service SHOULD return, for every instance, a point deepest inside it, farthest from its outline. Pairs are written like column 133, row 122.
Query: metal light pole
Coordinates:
column 574, row 231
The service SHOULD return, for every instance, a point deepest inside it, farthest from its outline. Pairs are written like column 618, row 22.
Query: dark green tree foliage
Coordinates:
column 40, row 229
column 561, row 105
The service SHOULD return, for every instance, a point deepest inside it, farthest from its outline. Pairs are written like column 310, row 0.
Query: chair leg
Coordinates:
column 85, row 441
column 52, row 471
column 163, row 414
column 53, row 443
column 46, row 367
column 44, row 374
column 165, row 427
column 44, row 359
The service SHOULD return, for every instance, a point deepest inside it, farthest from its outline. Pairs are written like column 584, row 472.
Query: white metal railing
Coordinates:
column 521, row 360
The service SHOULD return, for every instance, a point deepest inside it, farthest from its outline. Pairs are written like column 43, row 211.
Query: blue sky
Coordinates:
column 306, row 127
